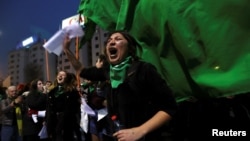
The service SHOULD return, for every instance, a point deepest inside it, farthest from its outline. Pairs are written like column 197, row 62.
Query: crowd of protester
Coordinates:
column 127, row 98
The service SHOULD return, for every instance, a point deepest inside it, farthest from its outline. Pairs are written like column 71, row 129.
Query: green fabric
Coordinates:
column 118, row 72
column 91, row 89
column 88, row 34
column 59, row 91
column 200, row 47
column 19, row 120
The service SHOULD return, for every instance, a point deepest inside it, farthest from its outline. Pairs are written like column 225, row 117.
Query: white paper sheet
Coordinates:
column 84, row 122
column 34, row 117
column 54, row 44
column 85, row 111
column 85, row 108
column 41, row 113
column 101, row 113
column 43, row 132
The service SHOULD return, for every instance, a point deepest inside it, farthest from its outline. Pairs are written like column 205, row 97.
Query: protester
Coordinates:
column 140, row 99
column 63, row 110
column 96, row 99
column 34, row 113
column 11, row 116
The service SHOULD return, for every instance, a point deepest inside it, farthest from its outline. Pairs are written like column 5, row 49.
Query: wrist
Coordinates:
column 142, row 131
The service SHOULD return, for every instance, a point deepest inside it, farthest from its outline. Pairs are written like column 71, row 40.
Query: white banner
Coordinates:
column 73, row 19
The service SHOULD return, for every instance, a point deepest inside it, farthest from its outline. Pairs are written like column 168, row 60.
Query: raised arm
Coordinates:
column 72, row 58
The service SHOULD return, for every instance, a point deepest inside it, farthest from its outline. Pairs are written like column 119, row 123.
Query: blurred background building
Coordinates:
column 30, row 60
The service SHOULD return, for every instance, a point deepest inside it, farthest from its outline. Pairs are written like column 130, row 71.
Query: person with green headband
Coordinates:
column 140, row 102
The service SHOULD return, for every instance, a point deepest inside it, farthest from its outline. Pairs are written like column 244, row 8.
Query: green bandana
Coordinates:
column 118, row 72
column 59, row 91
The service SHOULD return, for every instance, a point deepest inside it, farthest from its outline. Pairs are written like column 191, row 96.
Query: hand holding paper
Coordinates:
column 54, row 44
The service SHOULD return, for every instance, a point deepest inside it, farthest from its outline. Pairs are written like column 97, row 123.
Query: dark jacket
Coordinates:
column 139, row 97
column 63, row 115
column 37, row 102
column 8, row 112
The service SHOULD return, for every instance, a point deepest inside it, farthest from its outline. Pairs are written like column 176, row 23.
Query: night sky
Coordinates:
column 20, row 19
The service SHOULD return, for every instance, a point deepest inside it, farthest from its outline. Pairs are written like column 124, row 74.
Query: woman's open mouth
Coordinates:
column 113, row 52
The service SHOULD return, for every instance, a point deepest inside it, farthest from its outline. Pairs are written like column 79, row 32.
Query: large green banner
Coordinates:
column 200, row 47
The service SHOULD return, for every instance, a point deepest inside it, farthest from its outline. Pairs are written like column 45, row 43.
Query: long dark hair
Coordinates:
column 70, row 81
column 33, row 89
column 33, row 85
column 132, row 43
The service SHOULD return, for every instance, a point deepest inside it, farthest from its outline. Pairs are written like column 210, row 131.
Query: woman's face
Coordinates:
column 40, row 85
column 117, row 48
column 61, row 77
column 48, row 84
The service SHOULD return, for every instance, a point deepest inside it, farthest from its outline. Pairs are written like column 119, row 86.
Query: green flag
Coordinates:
column 201, row 48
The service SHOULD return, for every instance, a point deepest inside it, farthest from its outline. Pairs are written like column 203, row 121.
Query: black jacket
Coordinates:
column 139, row 97
column 63, row 115
column 35, row 101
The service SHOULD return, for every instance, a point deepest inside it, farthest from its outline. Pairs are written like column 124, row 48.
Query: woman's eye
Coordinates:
column 109, row 41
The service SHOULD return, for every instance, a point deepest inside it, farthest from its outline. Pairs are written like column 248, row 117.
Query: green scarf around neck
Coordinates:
column 59, row 91
column 118, row 72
